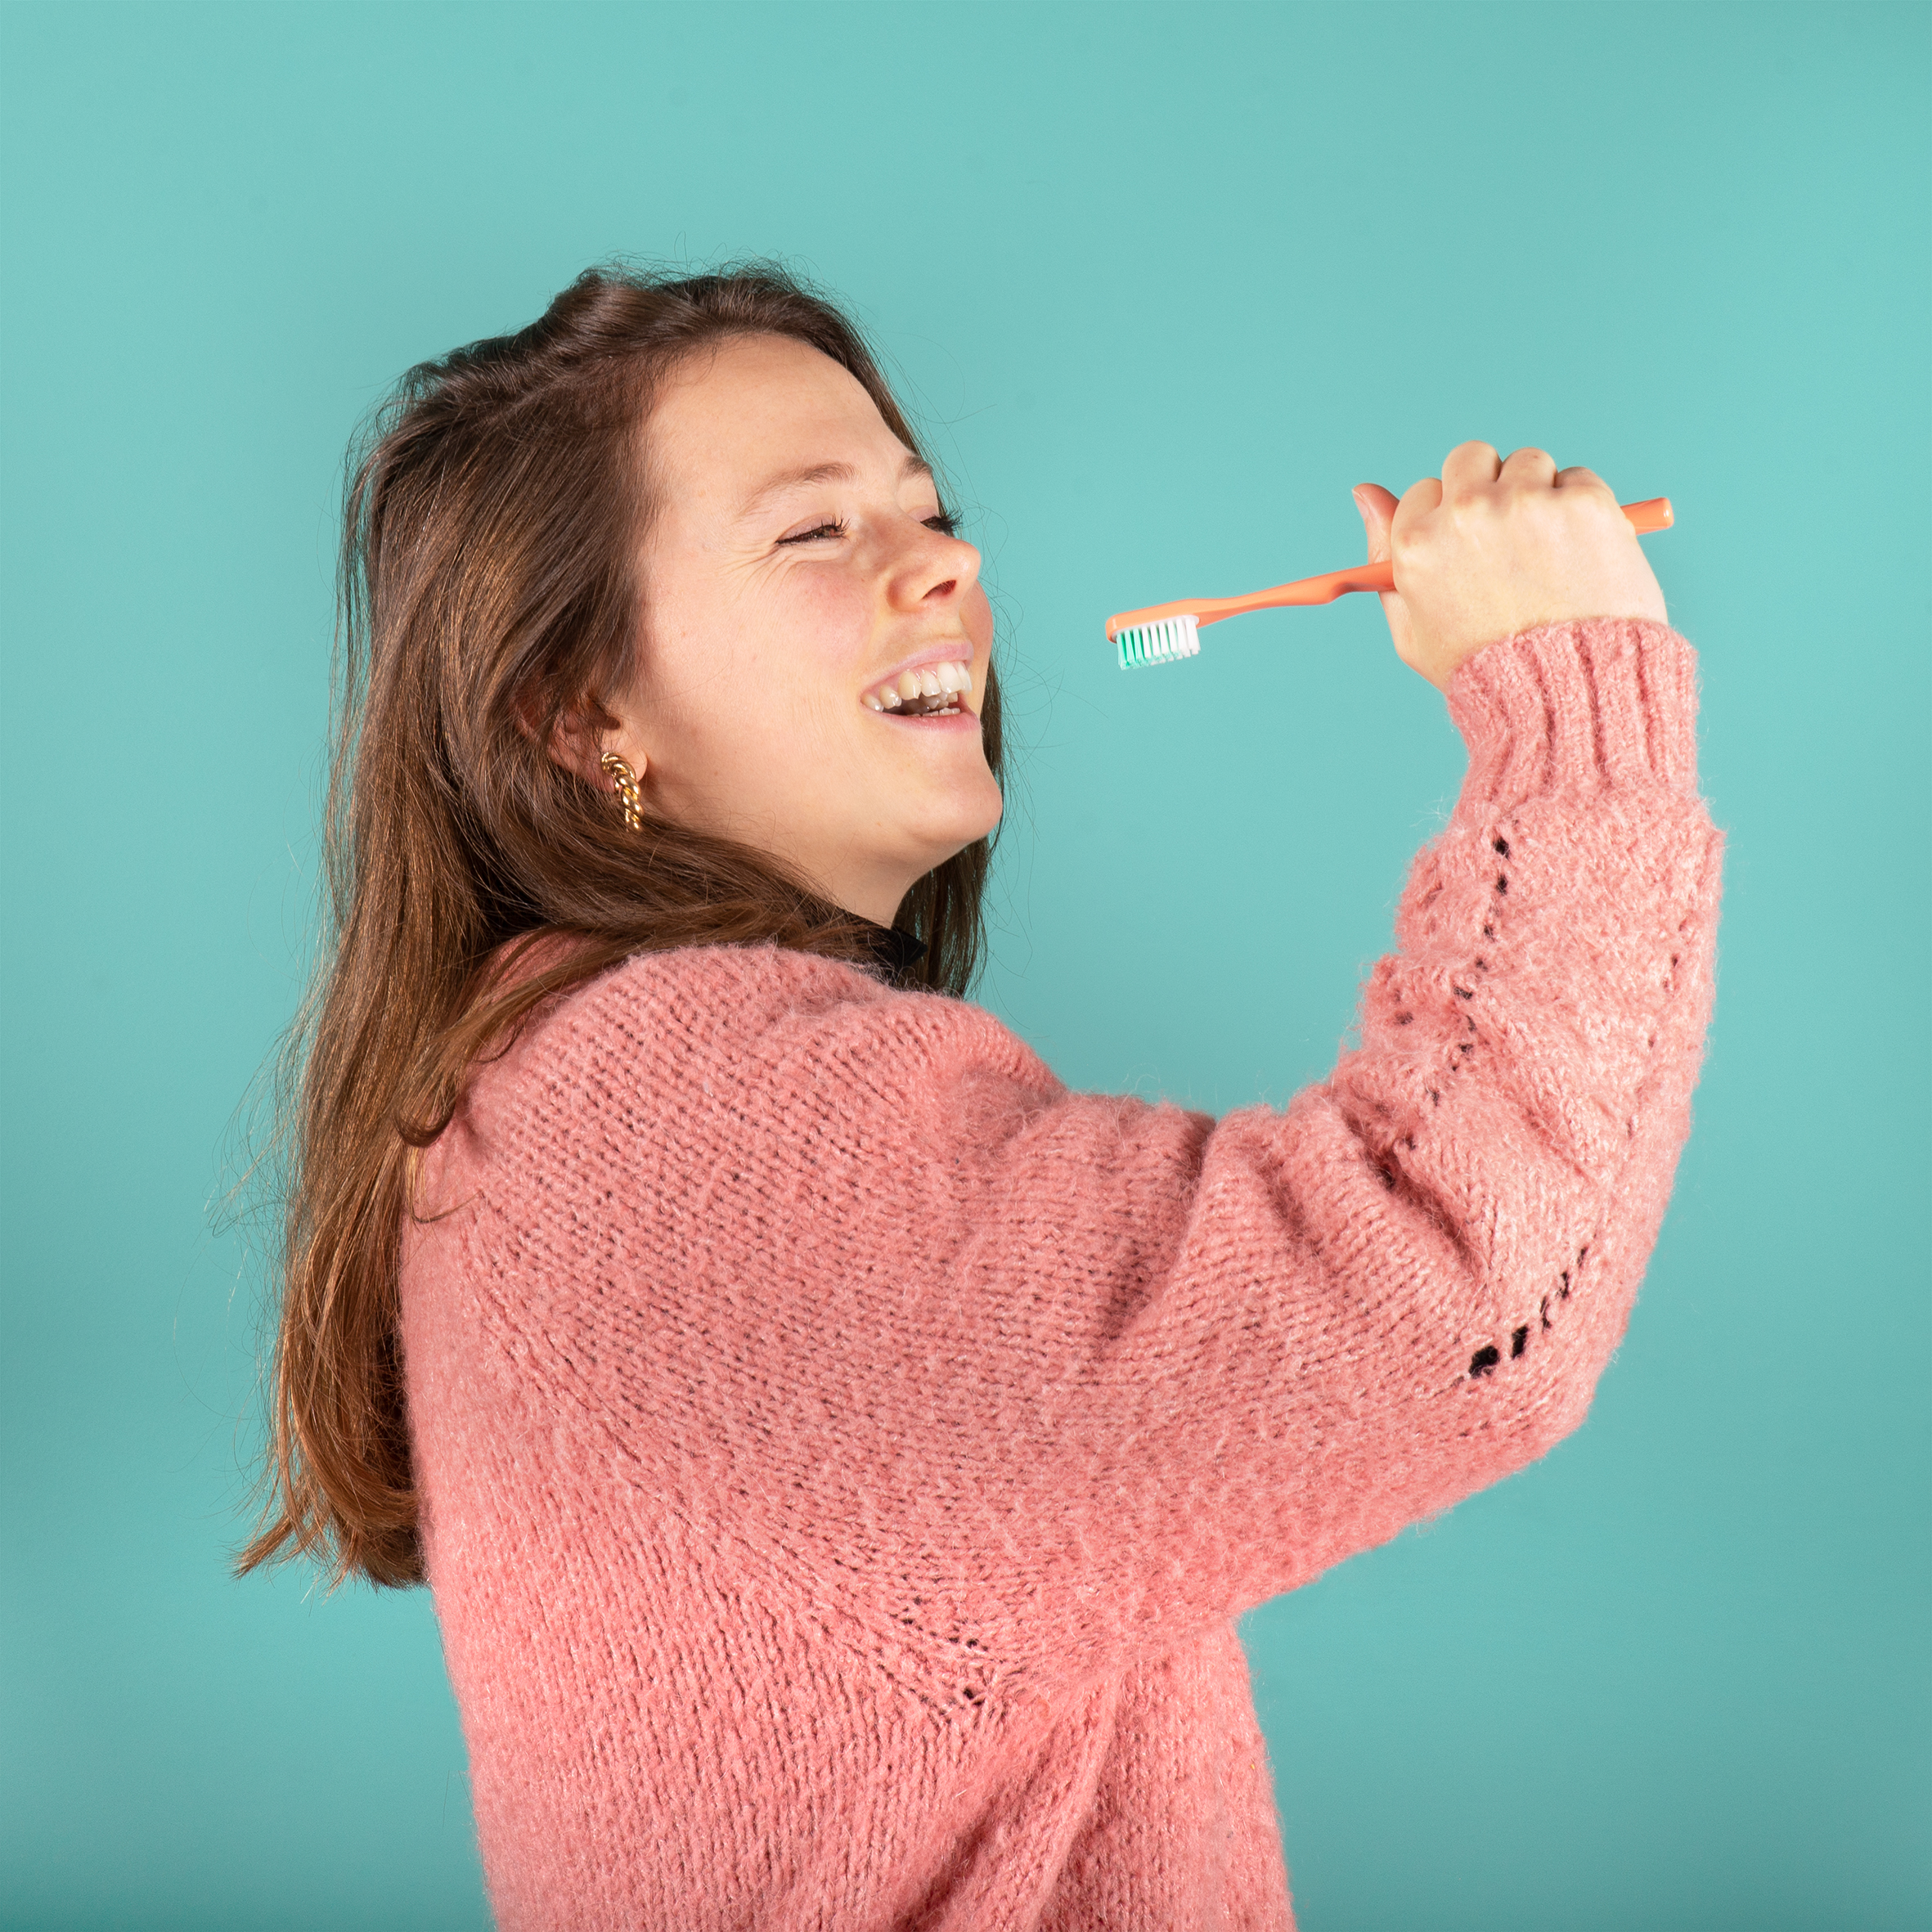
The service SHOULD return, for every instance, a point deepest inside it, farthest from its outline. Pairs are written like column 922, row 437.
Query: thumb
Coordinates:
column 1377, row 507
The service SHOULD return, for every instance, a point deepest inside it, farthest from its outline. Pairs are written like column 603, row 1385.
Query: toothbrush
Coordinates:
column 1164, row 633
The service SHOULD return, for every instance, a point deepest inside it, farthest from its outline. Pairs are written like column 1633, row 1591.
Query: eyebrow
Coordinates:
column 818, row 473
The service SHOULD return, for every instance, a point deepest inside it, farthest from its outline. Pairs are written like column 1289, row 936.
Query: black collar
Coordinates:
column 898, row 952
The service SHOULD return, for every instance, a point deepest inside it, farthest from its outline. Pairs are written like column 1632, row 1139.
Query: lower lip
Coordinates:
column 961, row 720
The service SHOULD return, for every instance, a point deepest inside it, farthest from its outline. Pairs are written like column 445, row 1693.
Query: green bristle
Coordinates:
column 1165, row 642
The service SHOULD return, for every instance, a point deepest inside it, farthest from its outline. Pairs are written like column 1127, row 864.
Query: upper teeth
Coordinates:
column 929, row 680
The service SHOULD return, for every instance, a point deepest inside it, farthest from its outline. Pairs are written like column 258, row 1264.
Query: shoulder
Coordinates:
column 775, row 1036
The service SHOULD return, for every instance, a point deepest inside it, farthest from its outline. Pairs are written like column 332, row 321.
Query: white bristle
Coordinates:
column 1162, row 643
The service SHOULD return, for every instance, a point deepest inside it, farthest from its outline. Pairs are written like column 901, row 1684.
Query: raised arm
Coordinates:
column 1009, row 1383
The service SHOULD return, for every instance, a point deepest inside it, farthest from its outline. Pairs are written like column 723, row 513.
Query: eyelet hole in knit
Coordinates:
column 1485, row 1360
column 1479, row 965
column 970, row 1692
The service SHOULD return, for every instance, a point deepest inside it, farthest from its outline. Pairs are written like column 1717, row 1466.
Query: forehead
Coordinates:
column 750, row 408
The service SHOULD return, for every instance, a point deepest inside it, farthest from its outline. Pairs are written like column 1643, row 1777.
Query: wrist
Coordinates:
column 1578, row 705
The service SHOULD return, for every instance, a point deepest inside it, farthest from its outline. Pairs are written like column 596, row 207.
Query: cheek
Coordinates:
column 824, row 622
column 787, row 638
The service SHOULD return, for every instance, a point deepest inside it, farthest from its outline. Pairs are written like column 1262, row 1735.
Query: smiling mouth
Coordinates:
column 928, row 690
column 945, row 711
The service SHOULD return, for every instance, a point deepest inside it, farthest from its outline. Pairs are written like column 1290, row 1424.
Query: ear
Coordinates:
column 576, row 741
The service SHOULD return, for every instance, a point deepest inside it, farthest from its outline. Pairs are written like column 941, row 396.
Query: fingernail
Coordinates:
column 1361, row 507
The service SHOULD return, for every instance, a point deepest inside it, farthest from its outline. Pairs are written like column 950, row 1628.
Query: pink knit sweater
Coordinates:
column 844, row 1452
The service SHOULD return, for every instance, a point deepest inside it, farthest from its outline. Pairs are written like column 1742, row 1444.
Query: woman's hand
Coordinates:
column 1493, row 548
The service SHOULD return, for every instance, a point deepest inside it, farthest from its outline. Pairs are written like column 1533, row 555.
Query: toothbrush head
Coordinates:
column 1164, row 641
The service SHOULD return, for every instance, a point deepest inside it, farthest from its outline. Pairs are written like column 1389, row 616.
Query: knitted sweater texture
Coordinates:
column 844, row 1452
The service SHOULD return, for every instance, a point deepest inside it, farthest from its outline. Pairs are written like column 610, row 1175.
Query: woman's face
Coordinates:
column 798, row 567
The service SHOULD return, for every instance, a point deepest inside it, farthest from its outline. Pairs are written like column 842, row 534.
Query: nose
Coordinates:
column 933, row 572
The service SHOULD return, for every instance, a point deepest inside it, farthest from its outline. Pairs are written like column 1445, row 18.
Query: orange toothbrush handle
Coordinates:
column 1653, row 514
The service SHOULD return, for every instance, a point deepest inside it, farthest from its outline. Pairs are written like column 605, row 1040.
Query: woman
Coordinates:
column 839, row 1453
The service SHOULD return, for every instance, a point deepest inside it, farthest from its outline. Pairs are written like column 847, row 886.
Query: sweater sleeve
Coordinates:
column 1009, row 1382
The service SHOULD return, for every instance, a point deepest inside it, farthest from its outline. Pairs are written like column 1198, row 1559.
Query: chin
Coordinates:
column 948, row 834
column 981, row 814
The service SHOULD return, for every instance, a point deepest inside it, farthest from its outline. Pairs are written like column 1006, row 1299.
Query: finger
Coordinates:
column 1470, row 466
column 1413, row 513
column 1377, row 507
column 1577, row 478
column 1529, row 468
column 1421, row 497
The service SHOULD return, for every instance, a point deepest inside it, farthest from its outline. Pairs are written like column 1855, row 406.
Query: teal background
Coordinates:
column 1164, row 281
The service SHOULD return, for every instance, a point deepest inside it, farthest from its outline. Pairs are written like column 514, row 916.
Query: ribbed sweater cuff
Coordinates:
column 1578, row 707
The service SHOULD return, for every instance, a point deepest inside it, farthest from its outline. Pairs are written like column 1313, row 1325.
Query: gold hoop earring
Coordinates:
column 625, row 780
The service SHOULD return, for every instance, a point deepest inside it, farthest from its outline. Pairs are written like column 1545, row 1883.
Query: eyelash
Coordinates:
column 946, row 523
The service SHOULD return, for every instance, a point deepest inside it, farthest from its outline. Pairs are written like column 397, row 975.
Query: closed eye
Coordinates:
column 942, row 521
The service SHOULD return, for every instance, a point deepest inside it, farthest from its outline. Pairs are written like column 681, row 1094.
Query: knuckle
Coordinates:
column 1584, row 486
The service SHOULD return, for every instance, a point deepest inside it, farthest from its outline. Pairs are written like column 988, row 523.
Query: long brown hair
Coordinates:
column 487, row 585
